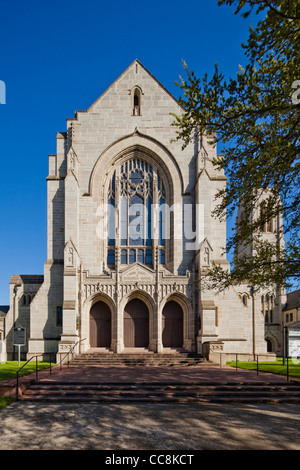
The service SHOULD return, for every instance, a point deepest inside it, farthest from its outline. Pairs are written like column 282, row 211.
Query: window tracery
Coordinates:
column 267, row 307
column 267, row 224
column 140, row 192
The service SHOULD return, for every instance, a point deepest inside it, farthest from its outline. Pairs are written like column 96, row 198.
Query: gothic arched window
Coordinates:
column 267, row 223
column 140, row 192
column 137, row 102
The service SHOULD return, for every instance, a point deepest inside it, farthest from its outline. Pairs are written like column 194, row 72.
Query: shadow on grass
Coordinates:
column 10, row 368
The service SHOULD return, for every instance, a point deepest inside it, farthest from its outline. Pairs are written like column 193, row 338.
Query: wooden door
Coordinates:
column 172, row 325
column 136, row 324
column 100, row 325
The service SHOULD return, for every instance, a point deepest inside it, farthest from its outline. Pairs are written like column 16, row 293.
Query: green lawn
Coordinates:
column 10, row 368
column 4, row 401
column 273, row 367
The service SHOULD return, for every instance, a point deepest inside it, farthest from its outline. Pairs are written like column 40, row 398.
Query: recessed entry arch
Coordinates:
column 136, row 324
column 100, row 325
column 177, row 317
column 172, row 325
column 137, row 309
column 95, row 314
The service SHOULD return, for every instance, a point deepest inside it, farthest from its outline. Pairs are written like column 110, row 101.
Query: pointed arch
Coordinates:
column 172, row 325
column 139, row 146
column 136, row 142
column 136, row 102
column 136, row 324
column 186, row 317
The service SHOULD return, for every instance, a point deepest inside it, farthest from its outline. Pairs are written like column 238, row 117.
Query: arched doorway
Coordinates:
column 269, row 345
column 100, row 325
column 136, row 324
column 172, row 325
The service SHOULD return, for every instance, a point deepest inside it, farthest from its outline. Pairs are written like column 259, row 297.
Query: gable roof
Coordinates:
column 293, row 300
column 3, row 310
column 134, row 63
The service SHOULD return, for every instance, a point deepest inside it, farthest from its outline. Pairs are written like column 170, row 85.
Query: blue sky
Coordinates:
column 60, row 56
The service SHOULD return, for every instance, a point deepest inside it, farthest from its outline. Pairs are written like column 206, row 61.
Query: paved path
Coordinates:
column 152, row 427
column 27, row 426
column 189, row 374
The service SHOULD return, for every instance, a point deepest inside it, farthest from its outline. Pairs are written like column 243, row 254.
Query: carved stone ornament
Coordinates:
column 216, row 347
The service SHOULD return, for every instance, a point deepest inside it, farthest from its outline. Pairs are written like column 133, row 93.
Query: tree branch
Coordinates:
column 283, row 15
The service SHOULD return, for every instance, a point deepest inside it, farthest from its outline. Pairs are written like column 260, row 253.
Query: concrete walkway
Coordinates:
column 148, row 426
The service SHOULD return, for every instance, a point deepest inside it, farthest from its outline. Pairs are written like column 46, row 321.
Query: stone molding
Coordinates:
column 158, row 287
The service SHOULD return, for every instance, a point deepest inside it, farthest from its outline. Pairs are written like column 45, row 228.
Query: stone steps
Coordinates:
column 84, row 382
column 150, row 359
column 163, row 392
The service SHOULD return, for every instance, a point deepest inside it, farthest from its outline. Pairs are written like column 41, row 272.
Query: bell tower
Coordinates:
column 268, row 302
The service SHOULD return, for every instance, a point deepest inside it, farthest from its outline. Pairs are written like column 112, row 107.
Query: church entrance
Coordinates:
column 136, row 324
column 100, row 325
column 172, row 325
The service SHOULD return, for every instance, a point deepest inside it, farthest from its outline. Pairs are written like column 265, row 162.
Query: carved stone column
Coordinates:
column 118, row 330
column 155, row 206
column 158, row 313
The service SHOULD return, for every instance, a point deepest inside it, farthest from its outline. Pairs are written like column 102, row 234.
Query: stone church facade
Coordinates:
column 130, row 233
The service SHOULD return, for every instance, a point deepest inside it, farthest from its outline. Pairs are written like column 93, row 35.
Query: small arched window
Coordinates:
column 137, row 102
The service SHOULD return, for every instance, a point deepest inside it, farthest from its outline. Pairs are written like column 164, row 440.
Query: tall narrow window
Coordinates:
column 111, row 213
column 59, row 313
column 137, row 103
column 161, row 221
column 263, row 209
column 267, row 224
column 137, row 194
column 270, row 226
column 267, row 306
column 124, row 257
